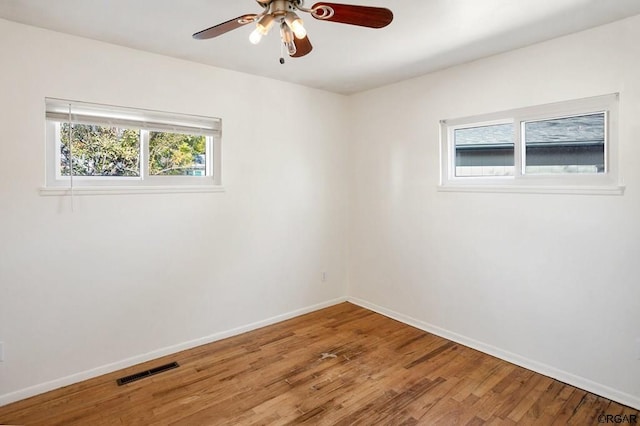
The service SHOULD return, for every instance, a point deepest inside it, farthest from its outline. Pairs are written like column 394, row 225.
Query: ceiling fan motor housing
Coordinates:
column 280, row 7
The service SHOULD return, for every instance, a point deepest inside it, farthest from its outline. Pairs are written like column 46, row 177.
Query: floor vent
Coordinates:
column 141, row 375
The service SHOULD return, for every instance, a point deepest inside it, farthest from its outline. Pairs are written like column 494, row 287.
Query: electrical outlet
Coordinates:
column 1, row 351
column 324, row 277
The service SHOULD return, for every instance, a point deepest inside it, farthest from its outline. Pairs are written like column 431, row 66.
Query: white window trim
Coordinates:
column 146, row 120
column 607, row 183
column 130, row 190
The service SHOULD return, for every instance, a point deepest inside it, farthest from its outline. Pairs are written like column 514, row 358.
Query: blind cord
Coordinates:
column 70, row 161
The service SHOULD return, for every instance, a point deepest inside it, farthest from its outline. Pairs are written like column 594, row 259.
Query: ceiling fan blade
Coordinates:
column 364, row 16
column 225, row 27
column 303, row 47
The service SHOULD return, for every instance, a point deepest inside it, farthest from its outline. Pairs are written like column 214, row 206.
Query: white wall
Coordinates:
column 128, row 277
column 549, row 281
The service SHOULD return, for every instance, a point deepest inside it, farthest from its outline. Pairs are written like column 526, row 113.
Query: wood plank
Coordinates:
column 343, row 365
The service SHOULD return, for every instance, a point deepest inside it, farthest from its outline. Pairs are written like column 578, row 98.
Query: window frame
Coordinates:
column 143, row 120
column 580, row 183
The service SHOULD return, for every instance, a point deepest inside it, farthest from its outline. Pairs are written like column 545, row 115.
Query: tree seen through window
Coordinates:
column 112, row 151
column 173, row 154
column 99, row 150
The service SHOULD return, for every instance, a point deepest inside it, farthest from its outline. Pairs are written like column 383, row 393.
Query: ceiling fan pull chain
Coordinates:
column 281, row 53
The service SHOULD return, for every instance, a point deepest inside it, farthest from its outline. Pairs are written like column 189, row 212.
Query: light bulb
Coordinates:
column 291, row 48
column 296, row 25
column 286, row 34
column 288, row 39
column 262, row 29
column 298, row 29
column 256, row 36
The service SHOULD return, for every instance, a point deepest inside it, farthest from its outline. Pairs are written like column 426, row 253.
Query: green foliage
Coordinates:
column 175, row 153
column 100, row 151
column 112, row 151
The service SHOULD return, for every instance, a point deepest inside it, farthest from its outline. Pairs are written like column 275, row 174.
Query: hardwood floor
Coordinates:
column 343, row 365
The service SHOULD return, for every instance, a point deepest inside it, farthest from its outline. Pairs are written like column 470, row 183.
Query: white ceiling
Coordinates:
column 425, row 35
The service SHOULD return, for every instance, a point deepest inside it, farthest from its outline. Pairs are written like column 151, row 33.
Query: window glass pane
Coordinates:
column 484, row 150
column 565, row 145
column 172, row 154
column 99, row 150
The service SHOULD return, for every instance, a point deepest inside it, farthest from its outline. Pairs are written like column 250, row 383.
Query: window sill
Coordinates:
column 131, row 190
column 531, row 189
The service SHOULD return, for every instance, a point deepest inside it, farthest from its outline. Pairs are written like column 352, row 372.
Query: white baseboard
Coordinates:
column 538, row 367
column 109, row 368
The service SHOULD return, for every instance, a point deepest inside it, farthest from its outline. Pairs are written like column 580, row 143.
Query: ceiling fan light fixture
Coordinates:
column 262, row 28
column 296, row 24
column 287, row 36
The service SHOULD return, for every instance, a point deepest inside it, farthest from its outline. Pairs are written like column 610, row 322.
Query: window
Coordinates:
column 566, row 147
column 484, row 150
column 92, row 146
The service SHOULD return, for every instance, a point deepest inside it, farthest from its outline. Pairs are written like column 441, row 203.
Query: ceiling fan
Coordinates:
column 292, row 32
